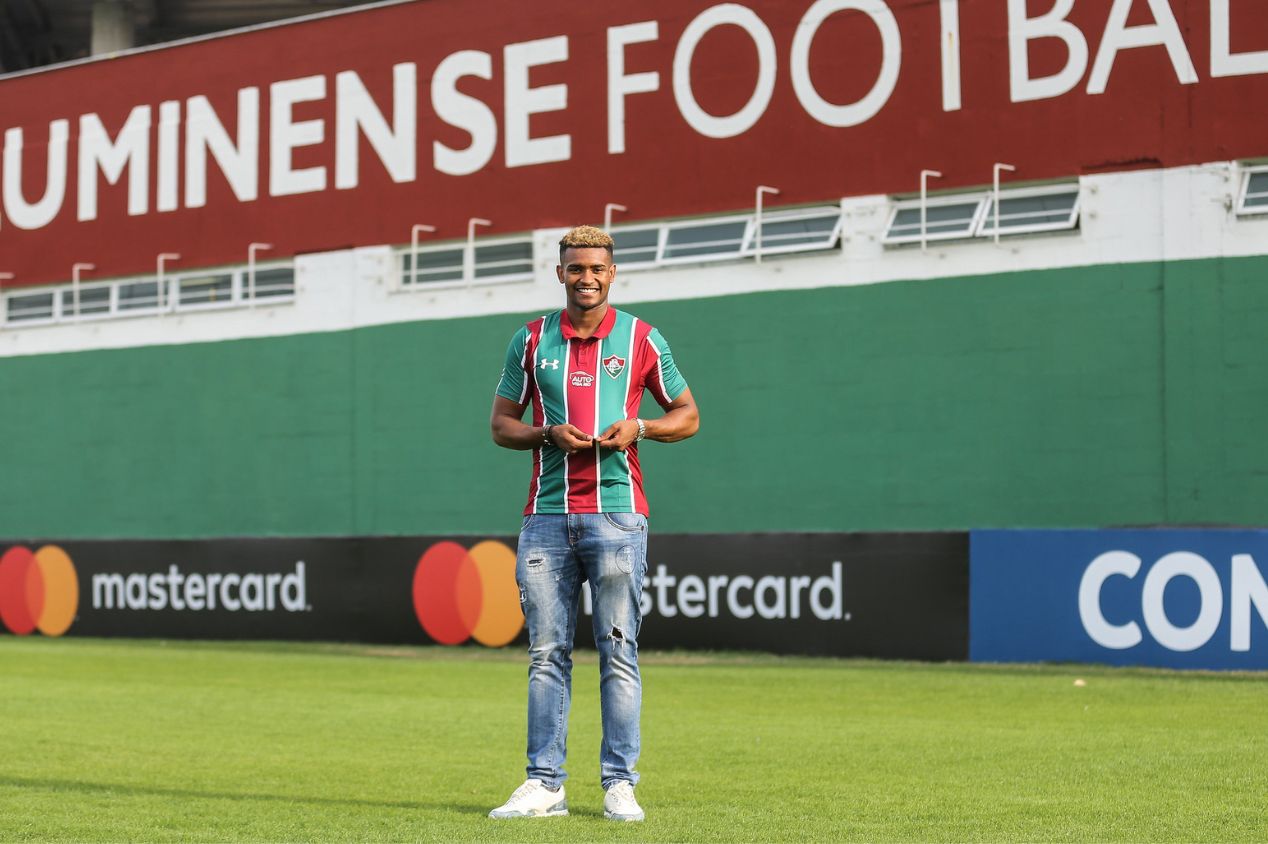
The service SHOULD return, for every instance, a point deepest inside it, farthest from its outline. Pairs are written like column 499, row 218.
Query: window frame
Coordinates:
column 660, row 230
column 62, row 310
column 791, row 216
column 1243, row 192
column 696, row 223
column 982, row 199
column 403, row 275
column 982, row 225
column 54, row 307
column 183, row 307
column 1072, row 220
column 67, row 292
column 243, row 283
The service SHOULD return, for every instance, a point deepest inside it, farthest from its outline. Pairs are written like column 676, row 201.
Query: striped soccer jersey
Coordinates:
column 588, row 383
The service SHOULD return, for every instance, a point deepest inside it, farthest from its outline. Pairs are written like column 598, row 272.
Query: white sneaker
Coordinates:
column 533, row 800
column 620, row 805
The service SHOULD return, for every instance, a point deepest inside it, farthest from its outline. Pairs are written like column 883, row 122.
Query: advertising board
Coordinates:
column 877, row 595
column 1167, row 598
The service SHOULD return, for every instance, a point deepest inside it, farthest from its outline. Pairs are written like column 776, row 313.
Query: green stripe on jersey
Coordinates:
column 552, row 350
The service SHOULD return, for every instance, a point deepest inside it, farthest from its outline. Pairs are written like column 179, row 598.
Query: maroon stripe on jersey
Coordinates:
column 539, row 418
column 580, row 382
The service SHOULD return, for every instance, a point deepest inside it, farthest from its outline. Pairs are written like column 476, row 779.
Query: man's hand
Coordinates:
column 620, row 435
column 570, row 439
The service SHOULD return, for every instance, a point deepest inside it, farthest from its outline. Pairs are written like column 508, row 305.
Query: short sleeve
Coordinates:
column 663, row 377
column 513, row 384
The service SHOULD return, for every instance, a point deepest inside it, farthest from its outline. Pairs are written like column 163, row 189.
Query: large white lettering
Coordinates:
column 238, row 160
column 874, row 100
column 34, row 215
column 1223, row 61
column 1248, row 589
column 464, row 112
column 1104, row 633
column 287, row 134
column 356, row 114
column 1119, row 36
column 169, row 128
column 195, row 591
column 523, row 101
column 1197, row 634
column 1022, row 30
column 773, row 597
column 734, row 124
column 949, row 16
column 131, row 150
column 621, row 84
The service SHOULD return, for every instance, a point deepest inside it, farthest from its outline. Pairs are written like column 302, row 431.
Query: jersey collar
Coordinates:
column 604, row 329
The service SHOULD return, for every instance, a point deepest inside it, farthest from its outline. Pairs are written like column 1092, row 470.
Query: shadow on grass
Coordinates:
column 189, row 793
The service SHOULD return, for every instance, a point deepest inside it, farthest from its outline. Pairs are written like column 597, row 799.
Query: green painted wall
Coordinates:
column 1130, row 394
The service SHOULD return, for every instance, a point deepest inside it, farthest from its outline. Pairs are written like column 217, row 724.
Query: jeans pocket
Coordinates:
column 528, row 520
column 628, row 522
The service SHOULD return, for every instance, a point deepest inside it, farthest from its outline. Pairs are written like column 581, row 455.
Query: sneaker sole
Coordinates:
column 558, row 811
column 627, row 818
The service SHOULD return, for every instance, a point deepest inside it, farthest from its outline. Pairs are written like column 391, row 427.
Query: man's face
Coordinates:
column 586, row 274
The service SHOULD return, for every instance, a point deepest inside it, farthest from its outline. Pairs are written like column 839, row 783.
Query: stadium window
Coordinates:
column 443, row 266
column 1253, row 195
column 711, row 240
column 946, row 218
column 138, row 295
column 1033, row 210
column 635, row 247
column 506, row 260
column 273, row 282
column 206, row 289
column 971, row 215
column 29, row 307
column 433, row 265
column 92, row 300
column 803, row 230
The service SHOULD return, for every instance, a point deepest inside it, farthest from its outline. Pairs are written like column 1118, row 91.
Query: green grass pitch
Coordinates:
column 111, row 740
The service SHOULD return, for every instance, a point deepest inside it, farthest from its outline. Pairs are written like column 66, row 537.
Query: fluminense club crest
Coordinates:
column 614, row 366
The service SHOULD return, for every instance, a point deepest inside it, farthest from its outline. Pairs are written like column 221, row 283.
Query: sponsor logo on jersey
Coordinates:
column 582, row 379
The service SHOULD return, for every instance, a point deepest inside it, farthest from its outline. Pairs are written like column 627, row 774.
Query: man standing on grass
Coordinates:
column 583, row 370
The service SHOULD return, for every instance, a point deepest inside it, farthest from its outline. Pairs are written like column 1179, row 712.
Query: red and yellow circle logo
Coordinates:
column 461, row 594
column 38, row 590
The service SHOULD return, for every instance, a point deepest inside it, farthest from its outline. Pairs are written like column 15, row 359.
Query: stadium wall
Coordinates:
column 872, row 408
column 1090, row 396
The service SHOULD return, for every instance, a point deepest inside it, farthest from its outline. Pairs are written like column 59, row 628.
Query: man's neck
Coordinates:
column 585, row 323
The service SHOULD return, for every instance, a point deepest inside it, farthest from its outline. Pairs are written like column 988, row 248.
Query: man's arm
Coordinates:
column 681, row 420
column 509, row 430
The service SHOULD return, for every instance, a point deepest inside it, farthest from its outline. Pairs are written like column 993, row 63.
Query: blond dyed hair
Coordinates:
column 585, row 237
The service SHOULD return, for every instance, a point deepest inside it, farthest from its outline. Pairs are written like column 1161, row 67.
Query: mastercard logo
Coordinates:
column 462, row 594
column 38, row 590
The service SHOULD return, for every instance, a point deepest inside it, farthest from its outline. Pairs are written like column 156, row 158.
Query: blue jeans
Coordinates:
column 558, row 553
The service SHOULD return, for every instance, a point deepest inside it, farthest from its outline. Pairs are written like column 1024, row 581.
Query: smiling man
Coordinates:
column 583, row 370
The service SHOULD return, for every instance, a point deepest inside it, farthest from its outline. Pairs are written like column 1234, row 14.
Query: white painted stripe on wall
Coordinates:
column 1146, row 215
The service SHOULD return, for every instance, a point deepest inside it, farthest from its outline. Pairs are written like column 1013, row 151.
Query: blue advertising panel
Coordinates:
column 1167, row 598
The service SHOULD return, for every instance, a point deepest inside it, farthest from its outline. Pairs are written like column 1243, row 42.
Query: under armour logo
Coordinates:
column 553, row 364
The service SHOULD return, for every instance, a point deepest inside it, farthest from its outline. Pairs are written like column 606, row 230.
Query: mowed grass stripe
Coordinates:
column 109, row 740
